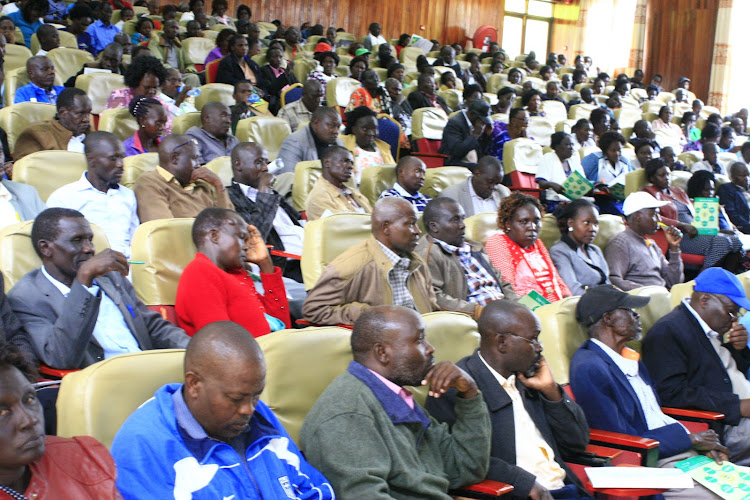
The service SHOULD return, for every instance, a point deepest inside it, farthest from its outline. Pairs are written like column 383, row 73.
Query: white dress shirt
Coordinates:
column 655, row 418
column 110, row 330
column 481, row 205
column 114, row 211
column 533, row 454
column 291, row 234
column 75, row 143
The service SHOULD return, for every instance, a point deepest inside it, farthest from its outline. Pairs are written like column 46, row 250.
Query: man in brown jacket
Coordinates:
column 450, row 258
column 382, row 270
column 65, row 133
column 178, row 187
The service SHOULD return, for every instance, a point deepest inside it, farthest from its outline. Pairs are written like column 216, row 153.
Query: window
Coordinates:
column 526, row 27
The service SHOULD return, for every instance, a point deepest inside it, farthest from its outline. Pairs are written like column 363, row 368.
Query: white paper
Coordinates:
column 88, row 70
column 638, row 477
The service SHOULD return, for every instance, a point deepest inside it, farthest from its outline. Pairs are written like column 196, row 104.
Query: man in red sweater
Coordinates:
column 217, row 284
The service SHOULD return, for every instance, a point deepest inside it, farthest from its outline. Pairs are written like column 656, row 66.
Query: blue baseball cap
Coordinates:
column 722, row 282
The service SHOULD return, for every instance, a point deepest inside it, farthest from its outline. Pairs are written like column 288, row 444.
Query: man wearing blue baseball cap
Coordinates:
column 697, row 356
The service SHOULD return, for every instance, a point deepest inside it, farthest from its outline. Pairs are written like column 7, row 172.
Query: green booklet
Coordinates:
column 617, row 190
column 726, row 480
column 576, row 186
column 533, row 299
column 706, row 215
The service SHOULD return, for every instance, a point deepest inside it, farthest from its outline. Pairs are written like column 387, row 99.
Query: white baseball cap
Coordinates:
column 640, row 200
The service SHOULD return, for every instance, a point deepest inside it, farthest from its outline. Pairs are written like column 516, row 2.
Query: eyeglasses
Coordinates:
column 191, row 141
column 534, row 342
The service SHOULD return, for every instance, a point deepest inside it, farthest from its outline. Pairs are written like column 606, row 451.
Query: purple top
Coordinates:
column 213, row 55
column 133, row 145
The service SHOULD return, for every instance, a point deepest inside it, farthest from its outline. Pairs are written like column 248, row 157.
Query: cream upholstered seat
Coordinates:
column 99, row 86
column 16, row 57
column 305, row 175
column 627, row 116
column 523, row 155
column 680, row 179
column 690, row 157
column 197, row 49
column 14, row 80
column 658, row 306
column 682, row 291
column 496, row 81
column 408, row 57
column 541, row 129
column 635, row 181
column 561, row 335
column 17, row 255
column 564, row 126
column 136, row 165
column 166, row 246
column 181, row 123
column 428, row 123
column 377, row 179
column 340, row 90
column 555, row 111
column 437, row 179
column 266, row 130
column 221, row 166
column 215, row 92
column 49, row 170
column 97, row 400
column 452, row 97
column 480, row 227
column 587, row 150
column 328, row 237
column 15, row 118
column 68, row 61
column 119, row 121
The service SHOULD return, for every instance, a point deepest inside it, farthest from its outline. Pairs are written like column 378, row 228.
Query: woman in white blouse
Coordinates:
column 557, row 165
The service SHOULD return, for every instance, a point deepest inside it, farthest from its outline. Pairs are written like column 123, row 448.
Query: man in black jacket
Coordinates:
column 535, row 425
column 466, row 137
column 425, row 96
column 231, row 67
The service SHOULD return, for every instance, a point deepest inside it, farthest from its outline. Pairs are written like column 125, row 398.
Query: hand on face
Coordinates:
column 737, row 336
column 446, row 375
column 257, row 252
column 204, row 174
column 100, row 264
column 542, row 381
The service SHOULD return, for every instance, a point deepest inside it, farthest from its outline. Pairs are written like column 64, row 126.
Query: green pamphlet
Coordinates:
column 727, row 480
column 576, row 186
column 617, row 190
column 706, row 215
column 533, row 299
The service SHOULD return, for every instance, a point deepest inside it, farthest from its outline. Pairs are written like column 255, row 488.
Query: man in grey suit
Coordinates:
column 483, row 191
column 307, row 143
column 23, row 198
column 79, row 308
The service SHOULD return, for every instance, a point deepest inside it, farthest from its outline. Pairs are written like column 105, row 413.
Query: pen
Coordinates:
column 136, row 262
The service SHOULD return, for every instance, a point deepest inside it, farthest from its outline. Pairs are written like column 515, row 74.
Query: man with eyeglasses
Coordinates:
column 535, row 425
column 698, row 356
column 615, row 390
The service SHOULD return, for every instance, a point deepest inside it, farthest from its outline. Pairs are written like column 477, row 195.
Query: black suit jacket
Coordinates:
column 563, row 426
column 260, row 213
column 458, row 141
column 685, row 368
column 274, row 85
column 230, row 72
column 11, row 327
column 418, row 100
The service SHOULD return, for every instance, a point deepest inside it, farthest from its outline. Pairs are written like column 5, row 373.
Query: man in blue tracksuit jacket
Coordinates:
column 211, row 437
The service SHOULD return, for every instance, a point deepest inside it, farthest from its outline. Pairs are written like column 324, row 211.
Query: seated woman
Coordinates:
column 664, row 122
column 276, row 78
column 357, row 67
column 556, row 166
column 143, row 77
column 702, row 184
column 403, row 41
column 689, row 130
column 143, row 28
column 581, row 264
column 152, row 118
column 237, row 66
column 644, row 151
column 532, row 101
column 517, row 252
column 219, row 13
column 385, row 55
column 39, row 466
column 515, row 76
column 328, row 61
column 222, row 46
column 361, row 139
column 448, row 81
column 496, row 67
column 505, row 98
column 371, row 94
column 607, row 168
column 397, row 71
column 218, row 285
column 710, row 133
column 720, row 249
column 583, row 134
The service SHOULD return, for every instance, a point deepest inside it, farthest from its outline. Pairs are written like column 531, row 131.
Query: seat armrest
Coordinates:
column 280, row 253
column 485, row 489
column 53, row 373
column 693, row 415
column 647, row 448
column 304, row 323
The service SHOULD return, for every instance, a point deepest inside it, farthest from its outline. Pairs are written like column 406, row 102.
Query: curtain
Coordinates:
column 638, row 45
column 728, row 85
column 605, row 32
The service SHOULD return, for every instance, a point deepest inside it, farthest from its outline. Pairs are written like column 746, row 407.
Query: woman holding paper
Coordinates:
column 720, row 249
column 556, row 166
column 518, row 253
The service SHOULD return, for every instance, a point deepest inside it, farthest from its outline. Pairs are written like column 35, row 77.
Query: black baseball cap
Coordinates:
column 599, row 300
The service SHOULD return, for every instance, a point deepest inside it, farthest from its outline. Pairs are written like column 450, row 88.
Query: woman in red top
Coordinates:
column 217, row 286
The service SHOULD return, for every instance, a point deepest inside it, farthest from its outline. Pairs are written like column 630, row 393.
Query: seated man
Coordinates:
column 734, row 196
column 370, row 438
column 535, row 425
column 18, row 202
column 301, row 110
column 553, row 93
column 45, row 466
column 242, row 107
column 127, row 45
column 633, row 258
column 708, row 356
column 49, row 38
column 102, row 30
column 710, row 160
column 615, row 390
column 642, row 131
column 66, row 132
column 258, row 204
column 79, row 308
column 214, row 136
column 448, row 59
column 212, row 437
column 425, row 96
column 374, row 37
column 110, row 60
column 178, row 187
column 382, row 270
column 330, row 194
column 518, row 122
column 308, row 143
column 98, row 194
column 174, row 97
column 410, row 172
column 483, row 191
column 466, row 136
column 450, row 258
column 42, row 86
column 168, row 49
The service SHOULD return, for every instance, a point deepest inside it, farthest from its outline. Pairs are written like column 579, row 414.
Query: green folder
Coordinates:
column 533, row 299
column 617, row 191
column 727, row 480
column 706, row 215
column 576, row 186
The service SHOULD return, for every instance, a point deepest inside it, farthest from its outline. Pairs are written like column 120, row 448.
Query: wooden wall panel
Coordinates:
column 679, row 42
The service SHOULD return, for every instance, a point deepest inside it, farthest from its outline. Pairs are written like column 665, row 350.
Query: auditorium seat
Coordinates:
column 15, row 118
column 437, row 179
column 221, row 166
column 690, row 157
column 480, row 227
column 541, row 129
column 328, row 237
column 377, row 179
column 305, row 175
column 389, row 130
column 49, row 170
column 197, row 49
column 555, row 111
column 15, row 57
column 626, row 116
column 561, row 335
column 99, row 86
column 682, row 291
column 292, row 93
column 496, row 81
column 339, row 91
column 68, row 61
column 215, row 92
column 658, row 306
column 119, row 121
column 17, row 256
column 427, row 134
column 14, row 80
column 97, row 400
column 635, row 181
column 266, row 130
column 181, row 123
column 452, row 97
column 136, row 165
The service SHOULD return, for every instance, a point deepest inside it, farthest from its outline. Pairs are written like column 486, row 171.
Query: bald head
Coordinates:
column 250, row 164
column 510, row 338
column 217, row 345
column 495, row 314
column 388, row 210
column 216, row 119
column 96, row 141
